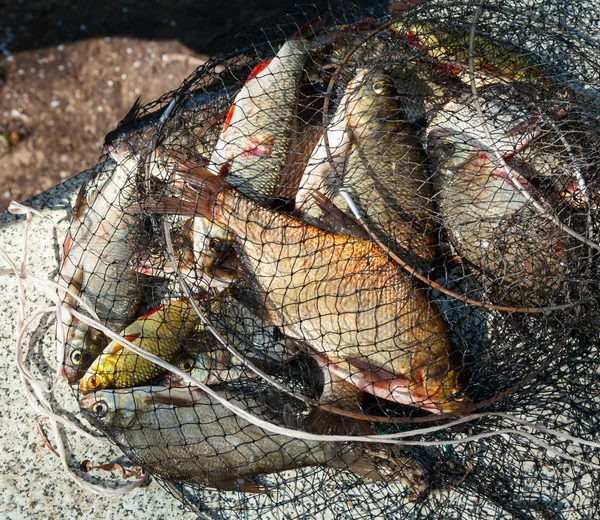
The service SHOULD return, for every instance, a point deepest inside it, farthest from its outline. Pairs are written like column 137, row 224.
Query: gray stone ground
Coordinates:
column 32, row 482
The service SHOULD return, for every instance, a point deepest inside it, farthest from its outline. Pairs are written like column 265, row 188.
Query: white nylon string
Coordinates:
column 36, row 392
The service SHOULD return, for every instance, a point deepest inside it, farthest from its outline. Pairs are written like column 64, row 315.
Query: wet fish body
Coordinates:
column 95, row 263
column 189, row 436
column 523, row 255
column 385, row 172
column 509, row 121
column 339, row 294
column 209, row 361
column 160, row 332
column 493, row 61
column 257, row 133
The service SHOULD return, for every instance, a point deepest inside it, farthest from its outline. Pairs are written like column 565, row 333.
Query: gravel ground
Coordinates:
column 68, row 75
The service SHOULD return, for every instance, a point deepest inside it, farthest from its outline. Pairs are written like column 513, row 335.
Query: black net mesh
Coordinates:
column 381, row 229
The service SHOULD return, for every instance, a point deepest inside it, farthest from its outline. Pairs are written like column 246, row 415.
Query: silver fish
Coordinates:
column 95, row 263
column 185, row 435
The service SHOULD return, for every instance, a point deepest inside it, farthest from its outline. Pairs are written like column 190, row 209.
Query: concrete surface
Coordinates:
column 32, row 483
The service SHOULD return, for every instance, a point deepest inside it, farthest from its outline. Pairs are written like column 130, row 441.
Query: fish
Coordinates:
column 340, row 295
column 203, row 112
column 210, row 362
column 557, row 159
column 493, row 61
column 523, row 256
column 95, row 263
column 257, row 133
column 509, row 121
column 378, row 159
column 386, row 171
column 324, row 167
column 188, row 436
column 153, row 259
column 161, row 332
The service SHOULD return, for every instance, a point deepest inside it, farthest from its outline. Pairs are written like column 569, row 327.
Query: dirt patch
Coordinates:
column 64, row 84
column 57, row 105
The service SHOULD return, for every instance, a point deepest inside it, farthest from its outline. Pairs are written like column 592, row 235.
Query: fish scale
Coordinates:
column 189, row 436
column 257, row 134
column 341, row 272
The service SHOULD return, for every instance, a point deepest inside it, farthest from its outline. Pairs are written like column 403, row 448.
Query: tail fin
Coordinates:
column 197, row 195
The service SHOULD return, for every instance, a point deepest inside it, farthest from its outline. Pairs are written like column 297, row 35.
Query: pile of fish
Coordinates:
column 346, row 220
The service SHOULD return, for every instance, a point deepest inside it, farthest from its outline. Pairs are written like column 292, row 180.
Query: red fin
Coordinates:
column 258, row 68
column 314, row 26
column 132, row 337
column 225, row 168
column 229, row 116
column 67, row 246
column 376, row 374
column 165, row 206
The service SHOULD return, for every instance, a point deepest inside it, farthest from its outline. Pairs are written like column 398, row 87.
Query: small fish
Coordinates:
column 324, row 170
column 507, row 115
column 208, row 366
column 558, row 160
column 161, row 332
column 188, row 436
column 523, row 255
column 341, row 295
column 257, row 133
column 203, row 111
column 154, row 260
column 95, row 262
column 209, row 361
column 385, row 171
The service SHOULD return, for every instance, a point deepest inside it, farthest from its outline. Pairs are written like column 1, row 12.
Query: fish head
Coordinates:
column 110, row 409
column 451, row 150
column 372, row 104
column 83, row 344
column 101, row 373
column 196, row 365
column 214, row 246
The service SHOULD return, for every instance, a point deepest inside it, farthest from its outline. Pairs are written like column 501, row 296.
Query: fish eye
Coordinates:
column 93, row 382
column 216, row 245
column 77, row 357
column 378, row 87
column 563, row 93
column 186, row 364
column 100, row 409
column 449, row 147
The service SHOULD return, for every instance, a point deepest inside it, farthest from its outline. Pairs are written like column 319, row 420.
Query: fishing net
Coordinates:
column 351, row 269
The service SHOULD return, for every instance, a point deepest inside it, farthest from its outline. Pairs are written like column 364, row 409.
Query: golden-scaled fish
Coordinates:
column 385, row 172
column 493, row 62
column 523, row 255
column 257, row 133
column 185, row 435
column 95, row 262
column 161, row 332
column 341, row 295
